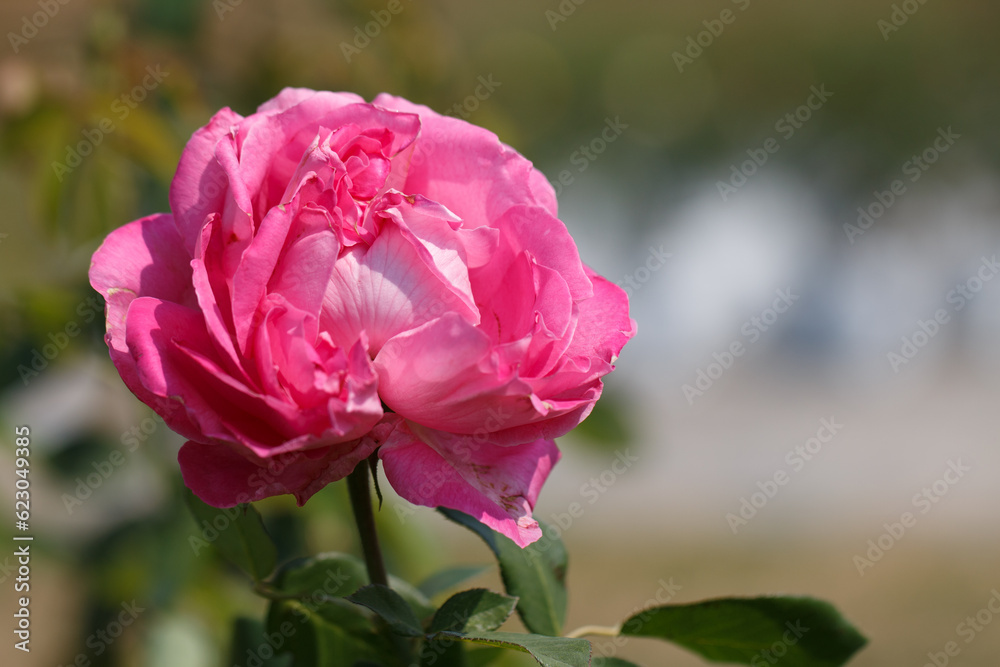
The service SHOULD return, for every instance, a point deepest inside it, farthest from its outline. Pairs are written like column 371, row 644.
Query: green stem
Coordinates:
column 601, row 630
column 361, row 502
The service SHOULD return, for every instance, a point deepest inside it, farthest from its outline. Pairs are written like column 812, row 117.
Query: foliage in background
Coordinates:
column 557, row 88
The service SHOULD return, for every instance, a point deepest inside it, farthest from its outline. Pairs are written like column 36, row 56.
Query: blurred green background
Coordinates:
column 71, row 81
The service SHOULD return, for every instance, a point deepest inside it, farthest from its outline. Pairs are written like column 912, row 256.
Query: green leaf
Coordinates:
column 251, row 644
column 611, row 662
column 476, row 610
column 335, row 574
column 318, row 635
column 536, row 574
column 239, row 535
column 448, row 652
column 418, row 602
column 802, row 632
column 481, row 657
column 342, row 614
column 444, row 580
column 547, row 651
column 326, row 574
column 389, row 605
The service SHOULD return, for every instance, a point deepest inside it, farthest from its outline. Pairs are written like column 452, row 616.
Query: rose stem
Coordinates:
column 361, row 503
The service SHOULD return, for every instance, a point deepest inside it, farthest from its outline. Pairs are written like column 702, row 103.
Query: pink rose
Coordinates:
column 326, row 257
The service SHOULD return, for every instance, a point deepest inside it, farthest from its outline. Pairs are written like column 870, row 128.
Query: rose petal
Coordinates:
column 395, row 285
column 200, row 184
column 604, row 325
column 496, row 485
column 222, row 477
column 445, row 375
column 289, row 97
column 533, row 230
column 467, row 167
column 290, row 257
column 144, row 258
column 272, row 146
column 175, row 358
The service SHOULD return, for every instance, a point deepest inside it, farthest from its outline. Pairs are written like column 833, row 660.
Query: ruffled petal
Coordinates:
column 272, row 145
column 410, row 275
column 223, row 478
column 175, row 359
column 604, row 325
column 290, row 255
column 145, row 258
column 497, row 485
column 467, row 168
column 446, row 375
column 200, row 183
column 289, row 97
column 532, row 230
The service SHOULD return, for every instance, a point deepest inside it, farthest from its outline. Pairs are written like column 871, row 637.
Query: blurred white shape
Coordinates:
column 85, row 396
column 179, row 640
column 857, row 301
column 66, row 399
column 729, row 258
